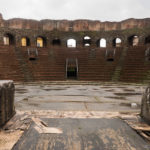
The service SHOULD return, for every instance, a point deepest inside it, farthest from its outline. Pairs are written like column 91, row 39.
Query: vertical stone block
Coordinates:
column 145, row 105
column 7, row 109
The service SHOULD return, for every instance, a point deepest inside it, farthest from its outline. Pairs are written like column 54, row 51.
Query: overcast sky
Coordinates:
column 104, row 10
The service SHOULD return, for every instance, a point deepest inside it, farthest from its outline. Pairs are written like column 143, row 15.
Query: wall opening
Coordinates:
column 71, row 68
column 117, row 42
column 102, row 43
column 133, row 40
column 8, row 39
column 56, row 42
column 71, row 73
column 25, row 41
column 40, row 41
column 110, row 54
column 71, row 43
column 147, row 40
column 87, row 41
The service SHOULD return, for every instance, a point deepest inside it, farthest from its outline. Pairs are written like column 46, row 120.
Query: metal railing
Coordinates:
column 110, row 53
column 32, row 51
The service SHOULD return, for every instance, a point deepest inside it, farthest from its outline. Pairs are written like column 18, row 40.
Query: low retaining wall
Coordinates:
column 7, row 109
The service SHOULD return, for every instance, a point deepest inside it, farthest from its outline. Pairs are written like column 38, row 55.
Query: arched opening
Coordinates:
column 102, row 43
column 9, row 39
column 56, row 42
column 133, row 40
column 87, row 41
column 25, row 41
column 117, row 42
column 71, row 43
column 147, row 40
column 40, row 42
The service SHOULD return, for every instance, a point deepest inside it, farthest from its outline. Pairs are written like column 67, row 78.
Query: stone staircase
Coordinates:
column 98, row 68
column 23, row 65
column 134, row 67
column 118, row 69
column 9, row 65
column 129, row 64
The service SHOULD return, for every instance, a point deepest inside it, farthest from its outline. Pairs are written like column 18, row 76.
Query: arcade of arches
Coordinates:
column 9, row 39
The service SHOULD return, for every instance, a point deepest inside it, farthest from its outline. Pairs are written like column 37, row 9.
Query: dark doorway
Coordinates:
column 72, row 68
column 56, row 42
column 147, row 40
column 71, row 73
column 110, row 59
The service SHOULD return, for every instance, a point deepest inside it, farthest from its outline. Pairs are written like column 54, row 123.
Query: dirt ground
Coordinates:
column 72, row 100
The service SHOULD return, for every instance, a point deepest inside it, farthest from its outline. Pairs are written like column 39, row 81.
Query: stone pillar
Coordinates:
column 7, row 109
column 145, row 105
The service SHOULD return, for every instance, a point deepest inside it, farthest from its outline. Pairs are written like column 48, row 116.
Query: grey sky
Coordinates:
column 104, row 10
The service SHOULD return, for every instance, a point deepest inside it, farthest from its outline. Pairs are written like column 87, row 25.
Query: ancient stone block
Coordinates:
column 145, row 105
column 7, row 109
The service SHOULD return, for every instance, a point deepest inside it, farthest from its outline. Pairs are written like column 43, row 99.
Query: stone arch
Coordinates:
column 41, row 41
column 133, row 40
column 56, row 42
column 86, row 41
column 71, row 43
column 25, row 41
column 9, row 39
column 117, row 42
column 102, row 43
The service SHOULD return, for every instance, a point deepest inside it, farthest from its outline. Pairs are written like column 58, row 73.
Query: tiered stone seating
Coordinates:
column 134, row 68
column 50, row 64
column 9, row 66
column 45, row 67
column 98, row 68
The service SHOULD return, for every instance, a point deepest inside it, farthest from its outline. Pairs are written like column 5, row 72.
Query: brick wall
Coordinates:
column 128, row 65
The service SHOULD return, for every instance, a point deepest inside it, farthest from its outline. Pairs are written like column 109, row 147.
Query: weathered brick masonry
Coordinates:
column 129, row 62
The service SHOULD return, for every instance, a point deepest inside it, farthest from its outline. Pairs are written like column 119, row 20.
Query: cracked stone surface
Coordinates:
column 74, row 116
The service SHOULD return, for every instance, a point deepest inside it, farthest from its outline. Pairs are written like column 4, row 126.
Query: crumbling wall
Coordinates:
column 145, row 105
column 76, row 25
column 7, row 109
column 77, row 29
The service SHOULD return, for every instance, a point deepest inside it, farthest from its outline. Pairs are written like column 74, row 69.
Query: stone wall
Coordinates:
column 76, row 25
column 77, row 29
column 7, row 109
column 95, row 36
column 15, row 64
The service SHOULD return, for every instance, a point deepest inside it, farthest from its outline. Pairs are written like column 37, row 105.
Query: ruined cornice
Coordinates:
column 74, row 25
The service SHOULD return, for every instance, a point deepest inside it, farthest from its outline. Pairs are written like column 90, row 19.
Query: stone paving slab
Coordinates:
column 80, row 134
column 112, row 97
